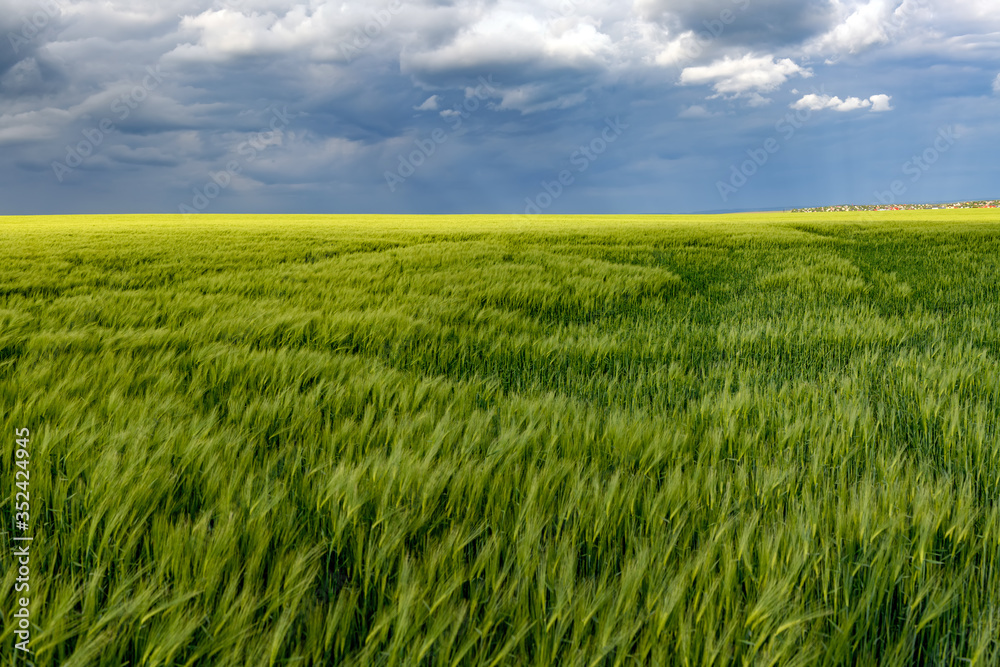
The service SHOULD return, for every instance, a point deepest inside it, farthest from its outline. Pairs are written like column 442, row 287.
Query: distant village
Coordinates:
column 994, row 203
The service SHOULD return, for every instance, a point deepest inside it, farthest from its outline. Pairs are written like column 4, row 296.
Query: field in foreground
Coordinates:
column 759, row 439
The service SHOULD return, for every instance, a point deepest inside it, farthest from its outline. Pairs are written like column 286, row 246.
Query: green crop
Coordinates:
column 766, row 439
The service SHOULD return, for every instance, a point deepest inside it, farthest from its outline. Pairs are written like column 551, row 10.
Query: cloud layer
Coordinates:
column 118, row 106
column 749, row 76
column 814, row 102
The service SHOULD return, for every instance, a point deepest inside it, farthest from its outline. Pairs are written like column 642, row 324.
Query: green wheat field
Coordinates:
column 761, row 439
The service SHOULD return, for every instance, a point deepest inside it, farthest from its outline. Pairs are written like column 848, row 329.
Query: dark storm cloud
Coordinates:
column 23, row 27
column 32, row 76
column 760, row 24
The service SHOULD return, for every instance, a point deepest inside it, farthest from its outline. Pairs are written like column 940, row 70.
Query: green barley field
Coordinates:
column 766, row 439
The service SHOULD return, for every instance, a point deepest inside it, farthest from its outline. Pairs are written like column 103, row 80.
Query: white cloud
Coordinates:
column 881, row 103
column 226, row 33
column 758, row 100
column 505, row 37
column 543, row 62
column 852, row 104
column 532, row 98
column 430, row 104
column 996, row 85
column 324, row 32
column 674, row 53
column 860, row 27
column 748, row 76
column 698, row 111
column 814, row 102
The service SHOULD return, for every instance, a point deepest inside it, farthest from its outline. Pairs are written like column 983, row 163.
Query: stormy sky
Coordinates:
column 495, row 106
